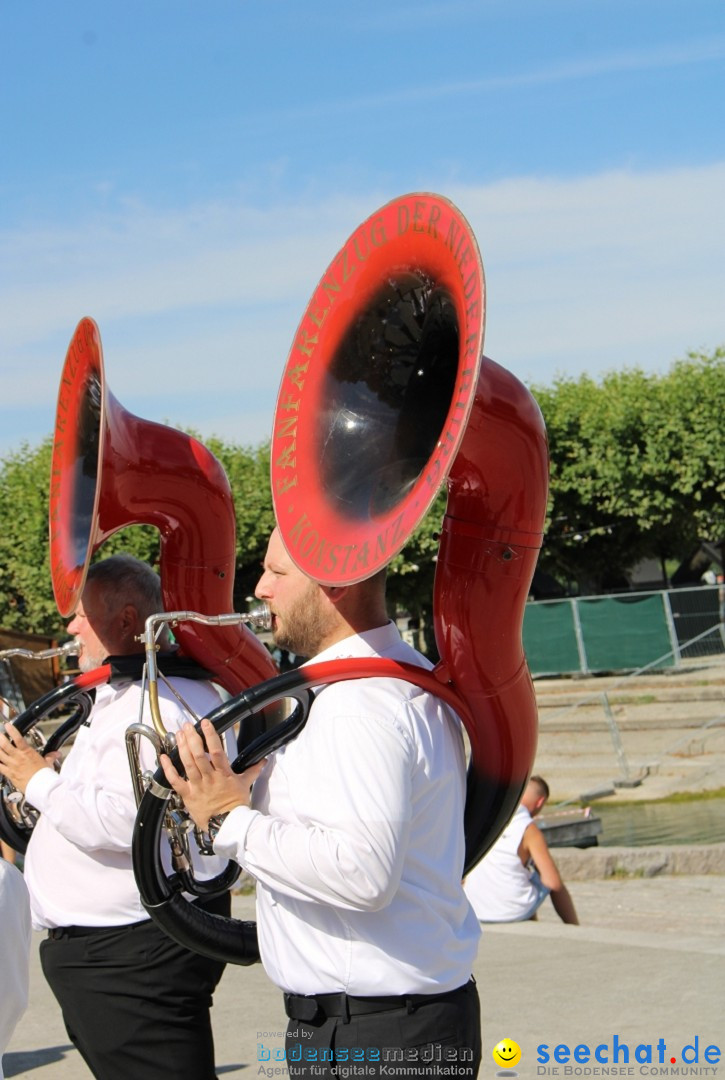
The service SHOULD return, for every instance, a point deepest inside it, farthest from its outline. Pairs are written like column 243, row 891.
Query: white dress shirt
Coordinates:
column 356, row 840
column 14, row 951
column 78, row 863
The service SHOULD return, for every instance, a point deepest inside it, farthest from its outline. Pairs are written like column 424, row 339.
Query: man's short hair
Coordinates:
column 541, row 785
column 124, row 579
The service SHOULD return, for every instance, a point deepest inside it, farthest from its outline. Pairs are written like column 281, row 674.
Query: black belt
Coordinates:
column 58, row 932
column 318, row 1007
column 217, row 905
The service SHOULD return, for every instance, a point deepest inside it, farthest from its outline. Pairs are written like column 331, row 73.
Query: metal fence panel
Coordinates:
column 693, row 612
column 623, row 632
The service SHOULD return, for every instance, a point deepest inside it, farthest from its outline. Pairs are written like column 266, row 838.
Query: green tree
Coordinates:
column 411, row 574
column 26, row 599
column 637, row 468
column 248, row 472
column 26, row 592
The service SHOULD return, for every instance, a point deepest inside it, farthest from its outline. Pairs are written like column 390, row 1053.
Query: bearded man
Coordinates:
column 354, row 833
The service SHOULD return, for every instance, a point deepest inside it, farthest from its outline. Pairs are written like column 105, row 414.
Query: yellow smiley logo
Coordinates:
column 507, row 1053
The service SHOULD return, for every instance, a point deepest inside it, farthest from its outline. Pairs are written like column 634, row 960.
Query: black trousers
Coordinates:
column 136, row 1004
column 435, row 1038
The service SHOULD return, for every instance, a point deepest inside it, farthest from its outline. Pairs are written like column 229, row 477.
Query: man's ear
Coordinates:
column 334, row 593
column 128, row 619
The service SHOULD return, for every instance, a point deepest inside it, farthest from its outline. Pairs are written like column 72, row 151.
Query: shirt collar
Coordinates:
column 375, row 642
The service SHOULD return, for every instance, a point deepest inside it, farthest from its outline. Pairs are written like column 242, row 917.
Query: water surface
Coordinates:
column 638, row 825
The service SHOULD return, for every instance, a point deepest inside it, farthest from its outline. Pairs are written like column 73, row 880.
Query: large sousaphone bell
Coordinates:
column 111, row 469
column 386, row 395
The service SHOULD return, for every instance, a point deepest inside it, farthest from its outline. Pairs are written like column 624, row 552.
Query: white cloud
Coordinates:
column 612, row 270
column 197, row 310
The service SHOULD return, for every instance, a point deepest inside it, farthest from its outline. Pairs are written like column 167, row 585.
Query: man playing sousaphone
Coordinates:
column 354, row 833
column 135, row 1003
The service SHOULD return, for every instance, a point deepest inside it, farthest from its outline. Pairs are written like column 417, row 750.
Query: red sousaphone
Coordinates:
column 386, row 395
column 111, row 469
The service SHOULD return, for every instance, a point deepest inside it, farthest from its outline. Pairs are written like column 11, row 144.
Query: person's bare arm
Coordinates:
column 536, row 849
column 6, row 852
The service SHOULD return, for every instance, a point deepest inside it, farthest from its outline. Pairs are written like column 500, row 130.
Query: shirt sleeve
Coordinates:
column 95, row 809
column 87, row 811
column 351, row 805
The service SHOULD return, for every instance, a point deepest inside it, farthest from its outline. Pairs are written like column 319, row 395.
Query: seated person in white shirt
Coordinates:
column 134, row 1003
column 355, row 837
column 514, row 878
column 14, row 950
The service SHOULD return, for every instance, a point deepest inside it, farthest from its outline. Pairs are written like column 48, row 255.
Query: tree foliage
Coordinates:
column 26, row 593
column 26, row 598
column 637, row 469
column 248, row 472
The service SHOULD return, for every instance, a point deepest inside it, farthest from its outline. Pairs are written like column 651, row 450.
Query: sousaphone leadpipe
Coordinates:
column 176, row 825
column 259, row 619
column 69, row 648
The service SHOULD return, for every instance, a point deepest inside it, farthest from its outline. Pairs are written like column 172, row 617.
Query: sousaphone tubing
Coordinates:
column 111, row 469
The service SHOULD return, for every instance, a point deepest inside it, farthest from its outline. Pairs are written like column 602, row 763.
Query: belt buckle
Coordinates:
column 301, row 1007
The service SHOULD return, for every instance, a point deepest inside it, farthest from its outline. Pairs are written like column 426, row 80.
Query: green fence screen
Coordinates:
column 624, row 632
column 550, row 638
column 607, row 633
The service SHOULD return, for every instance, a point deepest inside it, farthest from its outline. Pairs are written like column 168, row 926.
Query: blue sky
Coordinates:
column 183, row 172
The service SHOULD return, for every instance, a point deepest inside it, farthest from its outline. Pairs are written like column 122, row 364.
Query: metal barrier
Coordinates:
column 624, row 631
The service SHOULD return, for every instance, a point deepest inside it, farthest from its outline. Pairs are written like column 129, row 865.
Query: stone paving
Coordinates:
column 647, row 963
column 640, row 738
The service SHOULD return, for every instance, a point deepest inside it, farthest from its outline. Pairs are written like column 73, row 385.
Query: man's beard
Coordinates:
column 86, row 662
column 305, row 625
